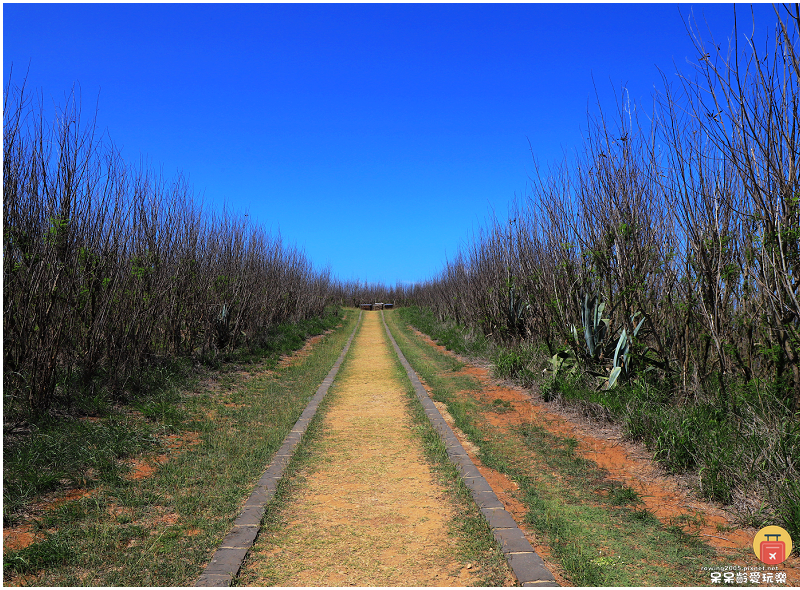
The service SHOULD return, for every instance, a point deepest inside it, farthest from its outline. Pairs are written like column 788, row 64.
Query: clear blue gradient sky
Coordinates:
column 377, row 137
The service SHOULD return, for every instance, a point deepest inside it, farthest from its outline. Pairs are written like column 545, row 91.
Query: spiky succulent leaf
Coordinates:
column 598, row 314
column 586, row 317
column 636, row 329
column 621, row 343
column 612, row 378
column 595, row 326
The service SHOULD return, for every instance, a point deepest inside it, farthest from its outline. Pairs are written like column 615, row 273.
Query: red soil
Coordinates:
column 20, row 536
column 667, row 497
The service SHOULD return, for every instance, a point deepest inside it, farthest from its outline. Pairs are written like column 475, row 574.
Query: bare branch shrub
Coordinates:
column 690, row 225
column 108, row 268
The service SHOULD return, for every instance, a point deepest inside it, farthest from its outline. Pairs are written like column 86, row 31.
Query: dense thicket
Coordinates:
column 108, row 268
column 665, row 257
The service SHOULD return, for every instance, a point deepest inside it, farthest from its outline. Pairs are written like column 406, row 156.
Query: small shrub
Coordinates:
column 789, row 510
column 715, row 482
column 550, row 389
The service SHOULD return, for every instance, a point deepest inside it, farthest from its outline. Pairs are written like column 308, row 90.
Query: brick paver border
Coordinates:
column 228, row 558
column 527, row 565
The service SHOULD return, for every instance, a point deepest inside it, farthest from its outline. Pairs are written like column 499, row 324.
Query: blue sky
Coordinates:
column 375, row 137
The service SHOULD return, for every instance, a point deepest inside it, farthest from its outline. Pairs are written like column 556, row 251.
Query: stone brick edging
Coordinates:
column 228, row 558
column 527, row 565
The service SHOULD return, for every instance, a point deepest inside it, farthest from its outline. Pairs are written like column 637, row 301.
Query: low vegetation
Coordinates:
column 596, row 529
column 747, row 460
column 154, row 487
column 84, row 450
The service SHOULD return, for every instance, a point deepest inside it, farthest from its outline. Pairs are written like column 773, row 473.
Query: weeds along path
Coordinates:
column 365, row 508
column 597, row 509
column 157, row 513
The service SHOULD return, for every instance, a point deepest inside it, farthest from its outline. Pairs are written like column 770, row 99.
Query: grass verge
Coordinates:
column 594, row 527
column 160, row 484
column 744, row 445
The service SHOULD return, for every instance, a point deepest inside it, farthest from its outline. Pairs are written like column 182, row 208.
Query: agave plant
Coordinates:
column 598, row 351
column 515, row 313
column 621, row 360
column 595, row 326
column 605, row 360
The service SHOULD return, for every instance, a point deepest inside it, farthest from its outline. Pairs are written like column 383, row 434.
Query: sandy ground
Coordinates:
column 369, row 512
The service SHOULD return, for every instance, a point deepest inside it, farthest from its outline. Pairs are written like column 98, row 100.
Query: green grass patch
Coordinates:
column 596, row 528
column 158, row 531
column 745, row 440
column 69, row 453
column 457, row 338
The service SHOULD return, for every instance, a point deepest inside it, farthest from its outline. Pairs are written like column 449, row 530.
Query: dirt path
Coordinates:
column 370, row 512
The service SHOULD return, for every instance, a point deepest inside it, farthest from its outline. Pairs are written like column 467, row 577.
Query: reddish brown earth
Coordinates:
column 21, row 535
column 18, row 537
column 668, row 498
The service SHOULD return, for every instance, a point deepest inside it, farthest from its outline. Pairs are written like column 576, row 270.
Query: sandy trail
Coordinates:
column 369, row 512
